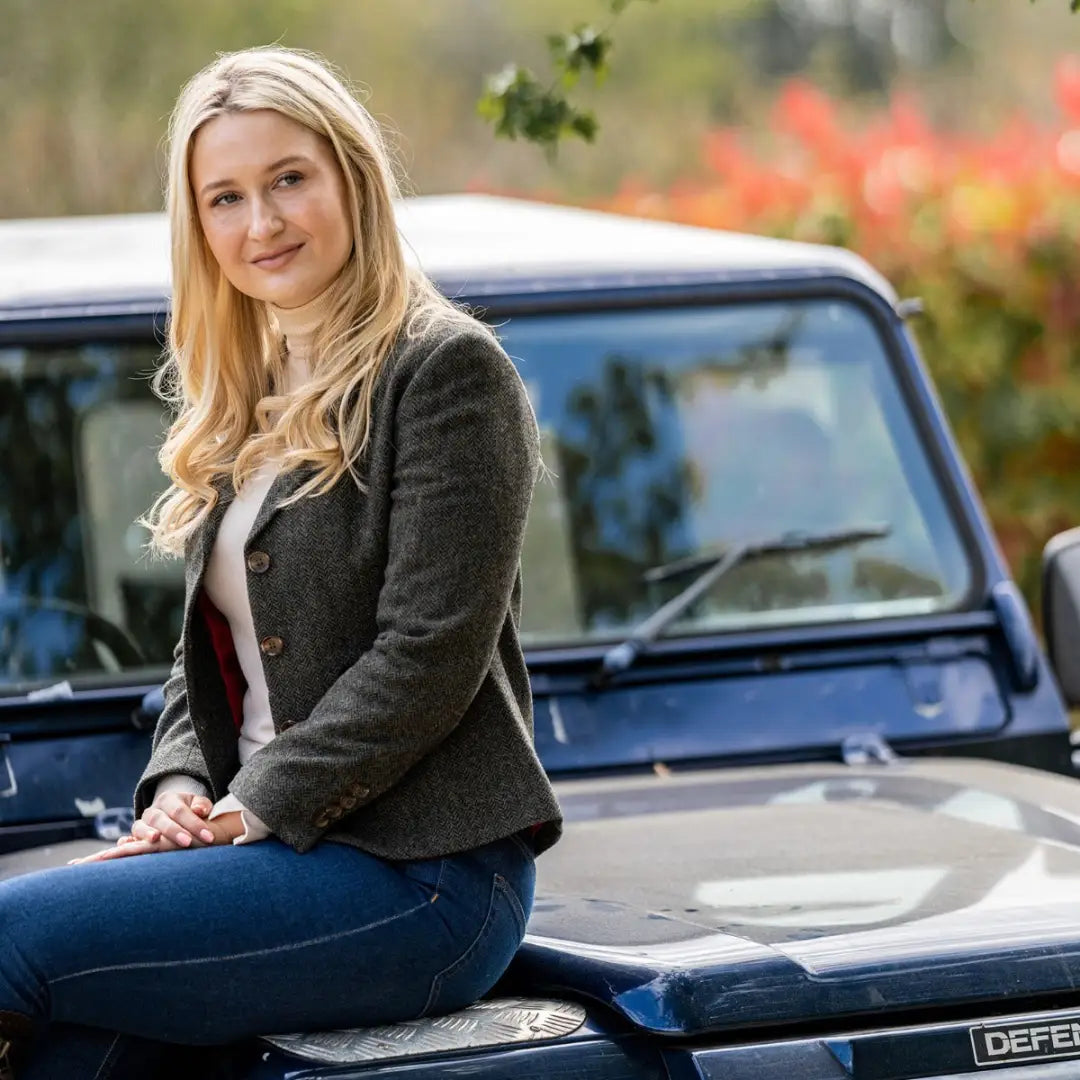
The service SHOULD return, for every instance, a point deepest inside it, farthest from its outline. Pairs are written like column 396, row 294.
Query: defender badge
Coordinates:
column 1000, row 1044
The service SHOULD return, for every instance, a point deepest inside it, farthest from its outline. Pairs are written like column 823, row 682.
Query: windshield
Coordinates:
column 668, row 434
column 677, row 432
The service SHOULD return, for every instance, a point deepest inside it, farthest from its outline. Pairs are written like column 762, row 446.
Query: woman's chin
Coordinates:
column 283, row 297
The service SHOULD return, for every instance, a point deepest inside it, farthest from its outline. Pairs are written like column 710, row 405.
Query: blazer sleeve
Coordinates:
column 175, row 747
column 467, row 453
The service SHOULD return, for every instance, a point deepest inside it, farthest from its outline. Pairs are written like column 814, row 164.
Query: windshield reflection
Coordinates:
column 677, row 432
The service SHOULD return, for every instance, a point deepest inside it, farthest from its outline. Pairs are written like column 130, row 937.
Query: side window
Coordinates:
column 119, row 478
column 79, row 429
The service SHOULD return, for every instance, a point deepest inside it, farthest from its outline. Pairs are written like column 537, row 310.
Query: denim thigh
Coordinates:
column 213, row 945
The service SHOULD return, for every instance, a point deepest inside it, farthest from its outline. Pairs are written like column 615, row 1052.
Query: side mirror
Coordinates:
column 1061, row 610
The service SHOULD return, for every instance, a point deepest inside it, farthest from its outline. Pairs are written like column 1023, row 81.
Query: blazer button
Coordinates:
column 359, row 791
column 286, row 724
column 272, row 645
column 258, row 562
column 335, row 811
column 348, row 801
column 322, row 821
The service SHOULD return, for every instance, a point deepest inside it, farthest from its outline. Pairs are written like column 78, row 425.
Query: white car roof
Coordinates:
column 465, row 242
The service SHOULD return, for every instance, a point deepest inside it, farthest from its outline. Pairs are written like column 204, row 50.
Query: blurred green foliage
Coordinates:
column 87, row 87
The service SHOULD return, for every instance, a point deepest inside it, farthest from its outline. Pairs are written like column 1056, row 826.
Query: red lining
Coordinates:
column 225, row 649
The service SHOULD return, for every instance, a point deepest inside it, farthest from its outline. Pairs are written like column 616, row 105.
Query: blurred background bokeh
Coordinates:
column 941, row 138
column 86, row 87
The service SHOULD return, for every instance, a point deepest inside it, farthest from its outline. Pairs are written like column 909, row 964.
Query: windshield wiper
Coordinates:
column 711, row 569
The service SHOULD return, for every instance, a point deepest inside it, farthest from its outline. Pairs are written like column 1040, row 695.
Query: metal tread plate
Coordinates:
column 498, row 1022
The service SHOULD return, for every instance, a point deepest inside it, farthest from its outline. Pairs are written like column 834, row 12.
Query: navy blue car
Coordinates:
column 822, row 820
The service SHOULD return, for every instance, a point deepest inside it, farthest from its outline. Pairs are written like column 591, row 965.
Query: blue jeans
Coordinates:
column 116, row 962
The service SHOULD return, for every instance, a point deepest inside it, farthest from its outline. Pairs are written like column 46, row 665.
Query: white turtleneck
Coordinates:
column 225, row 580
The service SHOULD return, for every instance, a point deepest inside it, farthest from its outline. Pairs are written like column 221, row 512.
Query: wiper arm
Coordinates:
column 711, row 569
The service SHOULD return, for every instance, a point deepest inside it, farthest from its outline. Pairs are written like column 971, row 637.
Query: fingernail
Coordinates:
column 207, row 835
column 154, row 836
column 183, row 839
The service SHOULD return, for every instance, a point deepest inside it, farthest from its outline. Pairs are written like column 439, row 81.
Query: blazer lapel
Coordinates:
column 202, row 540
column 283, row 486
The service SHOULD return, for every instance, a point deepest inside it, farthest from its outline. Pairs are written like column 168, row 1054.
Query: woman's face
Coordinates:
column 272, row 202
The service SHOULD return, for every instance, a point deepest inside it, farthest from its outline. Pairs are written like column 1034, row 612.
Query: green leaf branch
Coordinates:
column 519, row 105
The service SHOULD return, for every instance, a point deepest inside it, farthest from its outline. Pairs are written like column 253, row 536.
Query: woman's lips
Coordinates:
column 278, row 260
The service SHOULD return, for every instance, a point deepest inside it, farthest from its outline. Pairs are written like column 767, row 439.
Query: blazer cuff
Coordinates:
column 254, row 827
column 301, row 835
column 180, row 782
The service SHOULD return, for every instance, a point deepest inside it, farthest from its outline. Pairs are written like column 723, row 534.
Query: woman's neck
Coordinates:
column 300, row 325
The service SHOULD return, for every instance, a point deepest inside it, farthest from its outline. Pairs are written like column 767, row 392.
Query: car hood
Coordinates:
column 703, row 901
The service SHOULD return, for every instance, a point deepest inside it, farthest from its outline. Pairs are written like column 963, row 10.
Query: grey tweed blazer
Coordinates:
column 387, row 621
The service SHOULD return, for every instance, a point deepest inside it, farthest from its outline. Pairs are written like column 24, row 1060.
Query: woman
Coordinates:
column 339, row 817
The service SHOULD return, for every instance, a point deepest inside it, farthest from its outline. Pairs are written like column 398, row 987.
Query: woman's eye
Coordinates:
column 290, row 179
column 225, row 198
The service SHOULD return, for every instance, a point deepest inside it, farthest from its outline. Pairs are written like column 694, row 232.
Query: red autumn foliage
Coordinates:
column 985, row 228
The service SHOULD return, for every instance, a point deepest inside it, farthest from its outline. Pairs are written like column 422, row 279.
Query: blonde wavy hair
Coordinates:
column 225, row 354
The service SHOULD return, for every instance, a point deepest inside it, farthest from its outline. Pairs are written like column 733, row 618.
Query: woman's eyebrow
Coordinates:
column 291, row 159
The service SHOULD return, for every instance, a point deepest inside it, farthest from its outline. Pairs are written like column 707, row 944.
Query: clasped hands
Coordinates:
column 175, row 820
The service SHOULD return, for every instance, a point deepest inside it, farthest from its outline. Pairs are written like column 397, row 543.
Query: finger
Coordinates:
column 88, row 858
column 141, row 831
column 137, row 848
column 161, row 843
column 157, row 819
column 186, row 819
column 202, row 806
column 177, row 823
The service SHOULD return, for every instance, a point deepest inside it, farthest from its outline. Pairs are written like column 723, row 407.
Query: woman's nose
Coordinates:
column 265, row 221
